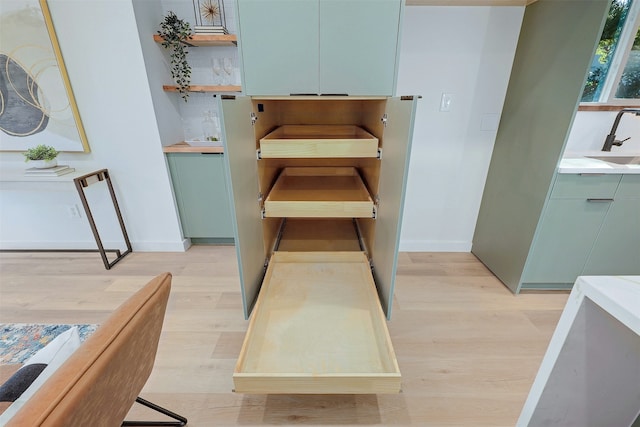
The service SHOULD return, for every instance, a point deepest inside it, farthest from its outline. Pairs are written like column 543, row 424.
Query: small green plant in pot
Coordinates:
column 42, row 156
column 174, row 31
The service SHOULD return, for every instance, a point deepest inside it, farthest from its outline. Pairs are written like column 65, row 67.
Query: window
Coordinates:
column 614, row 77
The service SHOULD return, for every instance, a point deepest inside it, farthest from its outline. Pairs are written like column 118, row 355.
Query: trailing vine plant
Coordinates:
column 174, row 31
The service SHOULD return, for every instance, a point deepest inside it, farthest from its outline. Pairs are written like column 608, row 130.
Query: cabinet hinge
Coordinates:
column 261, row 205
column 254, row 118
column 379, row 153
column 376, row 204
column 258, row 154
column 384, row 119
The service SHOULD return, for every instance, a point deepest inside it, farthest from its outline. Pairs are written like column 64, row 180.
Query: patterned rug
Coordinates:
column 19, row 341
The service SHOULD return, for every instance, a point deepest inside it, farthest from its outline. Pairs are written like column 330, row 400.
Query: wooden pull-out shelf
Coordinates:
column 310, row 235
column 318, row 141
column 317, row 327
column 319, row 192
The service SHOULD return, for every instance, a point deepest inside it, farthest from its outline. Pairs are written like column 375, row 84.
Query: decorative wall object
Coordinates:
column 37, row 105
column 175, row 32
column 210, row 17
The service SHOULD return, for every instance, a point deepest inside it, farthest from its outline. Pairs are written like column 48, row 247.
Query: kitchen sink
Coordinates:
column 619, row 160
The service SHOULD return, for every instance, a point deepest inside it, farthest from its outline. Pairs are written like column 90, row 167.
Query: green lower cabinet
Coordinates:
column 616, row 251
column 201, row 194
column 569, row 230
column 567, row 233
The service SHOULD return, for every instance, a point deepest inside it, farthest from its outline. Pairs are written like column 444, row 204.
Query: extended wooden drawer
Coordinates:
column 319, row 192
column 318, row 141
column 317, row 327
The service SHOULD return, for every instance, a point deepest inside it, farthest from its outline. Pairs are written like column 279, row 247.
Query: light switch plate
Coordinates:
column 445, row 102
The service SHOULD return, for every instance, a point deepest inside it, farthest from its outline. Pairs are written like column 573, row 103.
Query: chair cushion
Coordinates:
column 20, row 381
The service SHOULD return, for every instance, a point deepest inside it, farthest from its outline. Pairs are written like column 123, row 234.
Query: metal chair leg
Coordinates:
column 180, row 420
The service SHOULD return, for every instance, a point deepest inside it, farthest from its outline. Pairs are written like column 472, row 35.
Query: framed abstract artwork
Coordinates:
column 37, row 105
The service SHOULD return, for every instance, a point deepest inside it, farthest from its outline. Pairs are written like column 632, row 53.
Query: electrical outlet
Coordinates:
column 73, row 211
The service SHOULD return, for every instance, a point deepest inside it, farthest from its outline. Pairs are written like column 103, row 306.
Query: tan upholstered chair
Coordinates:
column 101, row 380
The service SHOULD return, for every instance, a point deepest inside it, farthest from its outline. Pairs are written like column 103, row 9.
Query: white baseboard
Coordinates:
column 161, row 246
column 75, row 245
column 435, row 246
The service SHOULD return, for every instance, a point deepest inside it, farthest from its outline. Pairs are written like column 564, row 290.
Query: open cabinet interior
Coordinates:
column 317, row 166
column 319, row 158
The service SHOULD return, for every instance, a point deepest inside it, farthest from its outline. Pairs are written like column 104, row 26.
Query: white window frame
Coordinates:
column 619, row 61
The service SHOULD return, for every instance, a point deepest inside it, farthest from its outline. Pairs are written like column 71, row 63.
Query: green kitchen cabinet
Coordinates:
column 317, row 215
column 358, row 46
column 545, row 86
column 617, row 249
column 279, row 46
column 319, row 46
column 569, row 229
column 201, row 195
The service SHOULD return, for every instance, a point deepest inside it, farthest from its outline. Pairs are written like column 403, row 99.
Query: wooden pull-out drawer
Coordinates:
column 317, row 327
column 318, row 141
column 319, row 192
column 319, row 235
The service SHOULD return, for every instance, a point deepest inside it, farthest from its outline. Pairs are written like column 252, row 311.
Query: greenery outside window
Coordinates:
column 614, row 77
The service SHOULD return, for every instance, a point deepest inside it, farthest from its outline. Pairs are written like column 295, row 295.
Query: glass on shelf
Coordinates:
column 216, row 67
column 189, row 127
column 209, row 126
column 227, row 66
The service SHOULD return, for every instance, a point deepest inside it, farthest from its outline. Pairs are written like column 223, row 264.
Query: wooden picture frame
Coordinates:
column 37, row 105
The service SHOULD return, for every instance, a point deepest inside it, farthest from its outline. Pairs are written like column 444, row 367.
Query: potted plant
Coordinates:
column 42, row 156
column 174, row 31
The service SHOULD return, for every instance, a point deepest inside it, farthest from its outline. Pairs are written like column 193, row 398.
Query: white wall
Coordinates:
column 101, row 48
column 590, row 129
column 468, row 52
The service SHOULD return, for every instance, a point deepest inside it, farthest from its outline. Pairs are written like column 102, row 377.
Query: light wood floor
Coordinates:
column 468, row 349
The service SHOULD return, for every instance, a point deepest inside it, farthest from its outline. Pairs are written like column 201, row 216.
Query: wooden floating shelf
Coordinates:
column 318, row 141
column 319, row 192
column 206, row 40
column 204, row 88
column 183, row 147
column 317, row 327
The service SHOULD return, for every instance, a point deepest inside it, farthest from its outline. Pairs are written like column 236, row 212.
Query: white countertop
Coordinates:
column 581, row 163
column 617, row 295
column 592, row 360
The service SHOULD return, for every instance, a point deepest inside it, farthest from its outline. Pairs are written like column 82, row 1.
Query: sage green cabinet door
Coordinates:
column 394, row 170
column 358, row 45
column 567, row 233
column 201, row 194
column 242, row 172
column 617, row 249
column 279, row 46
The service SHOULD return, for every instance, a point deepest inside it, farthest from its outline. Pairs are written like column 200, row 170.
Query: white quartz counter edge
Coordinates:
column 587, row 165
column 617, row 295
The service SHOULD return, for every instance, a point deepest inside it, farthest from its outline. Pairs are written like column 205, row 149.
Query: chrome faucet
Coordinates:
column 611, row 140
